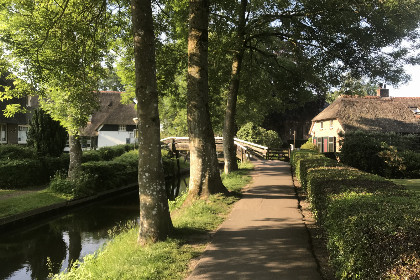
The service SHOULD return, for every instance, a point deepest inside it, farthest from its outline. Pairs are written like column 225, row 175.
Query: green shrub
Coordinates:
column 371, row 224
column 51, row 165
column 92, row 155
column 297, row 155
column 22, row 173
column 411, row 161
column 309, row 146
column 253, row 133
column 82, row 186
column 325, row 181
column 379, row 153
column 16, row 152
column 371, row 235
column 110, row 174
column 106, row 153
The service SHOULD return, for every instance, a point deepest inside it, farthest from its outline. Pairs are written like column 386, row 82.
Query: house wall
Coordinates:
column 111, row 138
column 327, row 128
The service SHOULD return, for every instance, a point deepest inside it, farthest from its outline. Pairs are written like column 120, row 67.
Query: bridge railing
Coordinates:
column 243, row 148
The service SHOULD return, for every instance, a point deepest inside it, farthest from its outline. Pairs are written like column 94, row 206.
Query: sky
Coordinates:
column 412, row 88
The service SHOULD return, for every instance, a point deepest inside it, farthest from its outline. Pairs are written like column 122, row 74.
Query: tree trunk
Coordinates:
column 229, row 150
column 204, row 171
column 75, row 152
column 155, row 221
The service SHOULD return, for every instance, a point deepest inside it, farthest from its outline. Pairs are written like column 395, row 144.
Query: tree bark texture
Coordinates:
column 75, row 152
column 204, row 171
column 155, row 221
column 229, row 149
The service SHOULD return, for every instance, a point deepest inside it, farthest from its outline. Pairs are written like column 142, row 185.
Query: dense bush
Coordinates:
column 46, row 135
column 21, row 173
column 16, row 152
column 371, row 224
column 309, row 145
column 386, row 154
column 253, row 133
column 106, row 153
column 82, row 186
column 102, row 175
column 412, row 164
column 374, row 236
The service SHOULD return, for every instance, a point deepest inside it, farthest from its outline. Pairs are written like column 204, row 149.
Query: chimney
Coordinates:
column 382, row 92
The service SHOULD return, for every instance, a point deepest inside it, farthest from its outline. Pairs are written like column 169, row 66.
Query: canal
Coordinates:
column 51, row 245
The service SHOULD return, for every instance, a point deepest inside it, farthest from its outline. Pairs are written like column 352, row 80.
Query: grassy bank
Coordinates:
column 411, row 184
column 21, row 200
column 122, row 258
column 13, row 202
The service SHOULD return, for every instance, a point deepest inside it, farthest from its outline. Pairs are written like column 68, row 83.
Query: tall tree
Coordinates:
column 229, row 150
column 204, row 172
column 306, row 45
column 58, row 47
column 155, row 221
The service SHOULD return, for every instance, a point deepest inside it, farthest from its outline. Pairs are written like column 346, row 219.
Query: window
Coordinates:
column 331, row 144
column 122, row 127
column 3, row 133
column 319, row 143
column 322, row 125
column 331, row 124
column 22, row 134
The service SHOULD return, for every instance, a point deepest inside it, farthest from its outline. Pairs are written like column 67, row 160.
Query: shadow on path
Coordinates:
column 264, row 237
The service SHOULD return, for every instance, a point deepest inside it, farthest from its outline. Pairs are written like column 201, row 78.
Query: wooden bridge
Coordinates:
column 244, row 149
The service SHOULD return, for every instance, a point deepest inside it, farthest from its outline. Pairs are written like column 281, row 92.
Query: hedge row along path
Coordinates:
column 264, row 236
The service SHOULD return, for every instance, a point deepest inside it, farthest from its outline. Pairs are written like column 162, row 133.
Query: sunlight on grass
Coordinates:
column 29, row 201
column 411, row 184
column 122, row 258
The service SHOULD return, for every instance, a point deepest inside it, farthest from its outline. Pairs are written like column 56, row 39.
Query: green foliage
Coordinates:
column 298, row 156
column 81, row 186
column 253, row 133
column 309, row 145
column 60, row 46
column 385, row 154
column 47, row 136
column 25, row 172
column 21, row 173
column 371, row 224
column 374, row 236
column 353, row 87
column 411, row 161
column 11, row 152
column 122, row 258
column 106, row 153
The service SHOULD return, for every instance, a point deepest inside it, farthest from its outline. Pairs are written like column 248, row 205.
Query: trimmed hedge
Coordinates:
column 106, row 153
column 21, row 173
column 99, row 176
column 372, row 225
column 16, row 152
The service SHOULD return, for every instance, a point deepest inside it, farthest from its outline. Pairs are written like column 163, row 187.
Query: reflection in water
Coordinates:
column 24, row 253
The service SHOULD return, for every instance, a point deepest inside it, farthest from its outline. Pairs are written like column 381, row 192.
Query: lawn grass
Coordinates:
column 122, row 258
column 411, row 184
column 21, row 203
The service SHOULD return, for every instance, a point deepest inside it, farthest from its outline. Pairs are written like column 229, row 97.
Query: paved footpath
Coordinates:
column 264, row 237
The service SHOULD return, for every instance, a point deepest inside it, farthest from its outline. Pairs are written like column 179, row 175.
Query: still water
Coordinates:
column 26, row 252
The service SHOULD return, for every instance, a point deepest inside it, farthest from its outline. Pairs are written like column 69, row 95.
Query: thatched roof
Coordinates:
column 392, row 114
column 111, row 111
